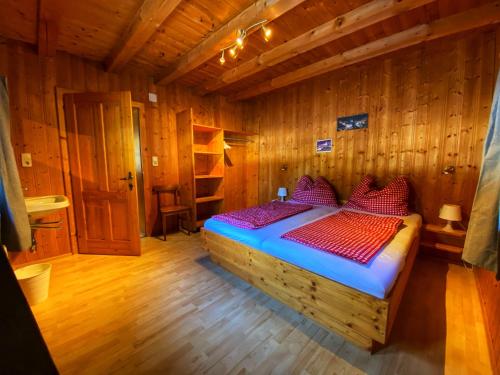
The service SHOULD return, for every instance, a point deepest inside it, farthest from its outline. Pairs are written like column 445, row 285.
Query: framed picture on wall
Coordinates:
column 352, row 122
column 324, row 145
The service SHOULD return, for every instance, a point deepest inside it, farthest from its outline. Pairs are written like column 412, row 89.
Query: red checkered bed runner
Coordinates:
column 349, row 234
column 260, row 216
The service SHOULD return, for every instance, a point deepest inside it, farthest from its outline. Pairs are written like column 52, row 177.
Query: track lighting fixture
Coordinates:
column 239, row 43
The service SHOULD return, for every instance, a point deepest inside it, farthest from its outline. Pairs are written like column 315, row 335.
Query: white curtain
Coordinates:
column 482, row 243
column 15, row 228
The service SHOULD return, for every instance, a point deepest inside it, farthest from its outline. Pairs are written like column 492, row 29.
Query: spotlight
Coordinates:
column 222, row 60
column 234, row 52
column 240, row 38
column 266, row 33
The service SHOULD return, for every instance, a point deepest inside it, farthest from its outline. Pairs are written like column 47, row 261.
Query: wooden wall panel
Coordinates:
column 428, row 108
column 241, row 160
column 34, row 129
column 32, row 84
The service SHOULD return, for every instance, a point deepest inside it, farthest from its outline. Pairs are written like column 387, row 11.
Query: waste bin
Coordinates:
column 34, row 281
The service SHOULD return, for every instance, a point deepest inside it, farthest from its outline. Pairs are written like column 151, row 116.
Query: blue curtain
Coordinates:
column 482, row 242
column 14, row 225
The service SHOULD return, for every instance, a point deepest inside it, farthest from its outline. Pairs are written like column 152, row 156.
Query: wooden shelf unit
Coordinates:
column 211, row 198
column 205, row 128
column 207, row 176
column 201, row 167
column 207, row 153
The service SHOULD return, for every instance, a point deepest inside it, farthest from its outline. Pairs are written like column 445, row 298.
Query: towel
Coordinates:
column 15, row 231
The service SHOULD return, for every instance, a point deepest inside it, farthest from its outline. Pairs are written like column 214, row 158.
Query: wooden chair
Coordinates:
column 171, row 210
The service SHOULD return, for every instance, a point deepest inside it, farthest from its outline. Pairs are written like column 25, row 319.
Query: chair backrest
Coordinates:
column 169, row 189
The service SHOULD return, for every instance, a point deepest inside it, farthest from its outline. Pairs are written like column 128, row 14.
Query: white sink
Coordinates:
column 39, row 207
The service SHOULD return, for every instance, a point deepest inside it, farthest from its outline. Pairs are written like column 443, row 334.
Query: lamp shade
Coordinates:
column 451, row 212
column 282, row 192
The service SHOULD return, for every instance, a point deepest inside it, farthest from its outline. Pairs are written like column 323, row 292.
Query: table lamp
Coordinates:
column 282, row 193
column 450, row 212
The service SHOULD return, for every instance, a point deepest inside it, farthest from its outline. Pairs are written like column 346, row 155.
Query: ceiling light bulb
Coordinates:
column 222, row 60
column 240, row 38
column 267, row 32
column 233, row 52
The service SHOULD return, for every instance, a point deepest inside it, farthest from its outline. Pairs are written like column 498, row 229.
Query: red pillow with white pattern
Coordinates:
column 319, row 192
column 389, row 200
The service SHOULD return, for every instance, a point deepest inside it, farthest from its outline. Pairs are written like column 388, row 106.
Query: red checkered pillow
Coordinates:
column 389, row 200
column 319, row 192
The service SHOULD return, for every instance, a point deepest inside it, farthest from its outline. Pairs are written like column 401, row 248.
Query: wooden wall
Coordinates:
column 428, row 108
column 32, row 84
column 489, row 294
column 241, row 161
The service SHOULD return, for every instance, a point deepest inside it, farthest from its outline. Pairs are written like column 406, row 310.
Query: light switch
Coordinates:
column 26, row 160
column 153, row 98
column 155, row 161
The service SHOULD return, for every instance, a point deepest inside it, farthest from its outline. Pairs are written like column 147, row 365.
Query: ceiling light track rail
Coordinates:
column 239, row 42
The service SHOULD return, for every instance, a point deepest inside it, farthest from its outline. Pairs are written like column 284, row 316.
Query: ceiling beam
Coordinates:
column 261, row 9
column 471, row 19
column 146, row 21
column 348, row 23
column 47, row 31
column 47, row 37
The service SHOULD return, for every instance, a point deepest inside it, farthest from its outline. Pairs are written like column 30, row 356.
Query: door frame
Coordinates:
column 63, row 142
column 65, row 164
column 144, row 148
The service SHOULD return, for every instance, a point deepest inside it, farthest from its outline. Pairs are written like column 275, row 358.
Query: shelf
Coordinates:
column 238, row 132
column 443, row 247
column 205, row 129
column 201, row 174
column 439, row 229
column 207, row 153
column 211, row 198
column 207, row 176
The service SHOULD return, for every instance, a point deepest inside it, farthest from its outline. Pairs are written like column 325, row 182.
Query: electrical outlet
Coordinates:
column 26, row 160
column 155, row 161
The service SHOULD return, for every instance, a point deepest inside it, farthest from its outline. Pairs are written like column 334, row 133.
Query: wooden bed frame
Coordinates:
column 359, row 317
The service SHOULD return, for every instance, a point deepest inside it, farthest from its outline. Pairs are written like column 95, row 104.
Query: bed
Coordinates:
column 357, row 301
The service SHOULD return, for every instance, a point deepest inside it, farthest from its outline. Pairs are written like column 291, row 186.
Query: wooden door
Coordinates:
column 101, row 152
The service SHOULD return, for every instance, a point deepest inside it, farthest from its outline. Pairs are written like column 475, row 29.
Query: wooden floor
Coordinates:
column 173, row 311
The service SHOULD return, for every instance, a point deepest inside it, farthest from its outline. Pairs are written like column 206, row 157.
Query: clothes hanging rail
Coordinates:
column 236, row 139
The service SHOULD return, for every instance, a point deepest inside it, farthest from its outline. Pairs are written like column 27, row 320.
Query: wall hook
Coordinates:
column 450, row 169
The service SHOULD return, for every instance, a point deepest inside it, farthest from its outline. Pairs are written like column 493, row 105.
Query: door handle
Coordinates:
column 128, row 178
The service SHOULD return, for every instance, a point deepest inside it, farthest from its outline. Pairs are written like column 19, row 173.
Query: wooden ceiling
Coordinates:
column 178, row 40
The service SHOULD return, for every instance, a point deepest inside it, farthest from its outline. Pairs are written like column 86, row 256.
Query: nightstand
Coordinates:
column 448, row 244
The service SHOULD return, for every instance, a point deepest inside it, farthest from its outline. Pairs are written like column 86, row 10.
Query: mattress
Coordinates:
column 255, row 237
column 375, row 278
